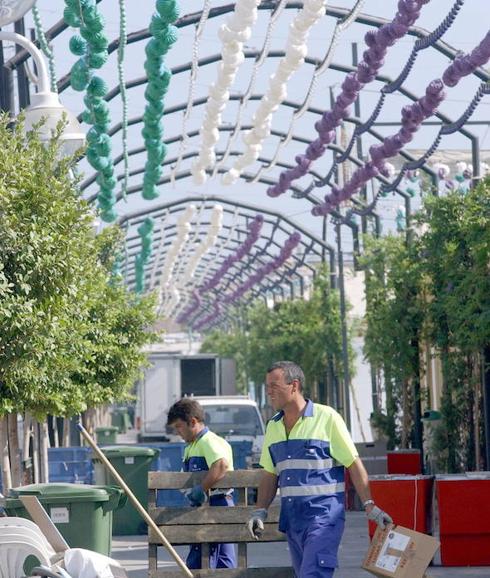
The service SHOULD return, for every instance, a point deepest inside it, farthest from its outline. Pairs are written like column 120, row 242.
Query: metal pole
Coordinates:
column 6, row 86
column 357, row 113
column 343, row 320
column 22, row 80
column 475, row 156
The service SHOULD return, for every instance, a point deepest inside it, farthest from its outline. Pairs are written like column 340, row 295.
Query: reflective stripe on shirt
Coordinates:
column 321, row 490
column 304, row 465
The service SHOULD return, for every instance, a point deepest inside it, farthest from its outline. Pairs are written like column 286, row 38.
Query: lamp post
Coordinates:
column 12, row 10
column 45, row 104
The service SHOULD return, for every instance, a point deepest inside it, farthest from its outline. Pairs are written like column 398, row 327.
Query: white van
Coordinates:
column 236, row 418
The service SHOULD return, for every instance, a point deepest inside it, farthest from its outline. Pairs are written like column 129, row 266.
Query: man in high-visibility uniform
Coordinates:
column 205, row 451
column 306, row 447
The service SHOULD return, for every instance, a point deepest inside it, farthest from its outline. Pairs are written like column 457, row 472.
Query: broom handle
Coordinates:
column 144, row 514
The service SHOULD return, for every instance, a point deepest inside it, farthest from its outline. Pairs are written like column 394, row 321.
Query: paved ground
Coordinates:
column 132, row 552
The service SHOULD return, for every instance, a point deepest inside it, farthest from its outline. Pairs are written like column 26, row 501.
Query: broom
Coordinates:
column 144, row 514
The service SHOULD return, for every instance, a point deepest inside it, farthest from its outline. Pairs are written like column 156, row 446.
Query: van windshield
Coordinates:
column 233, row 420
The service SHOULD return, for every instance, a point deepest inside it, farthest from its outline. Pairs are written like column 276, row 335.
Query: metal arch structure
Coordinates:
column 359, row 205
column 271, row 240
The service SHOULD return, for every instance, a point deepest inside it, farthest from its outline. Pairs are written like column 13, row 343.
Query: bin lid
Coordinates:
column 64, row 493
column 127, row 451
column 399, row 477
column 107, row 428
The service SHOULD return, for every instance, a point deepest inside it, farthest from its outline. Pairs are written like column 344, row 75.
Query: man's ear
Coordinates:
column 193, row 422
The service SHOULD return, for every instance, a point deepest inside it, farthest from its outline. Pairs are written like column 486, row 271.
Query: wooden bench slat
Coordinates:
column 208, row 515
column 278, row 572
column 191, row 534
column 181, row 480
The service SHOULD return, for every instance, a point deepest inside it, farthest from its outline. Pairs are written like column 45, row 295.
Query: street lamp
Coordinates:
column 45, row 104
column 12, row 10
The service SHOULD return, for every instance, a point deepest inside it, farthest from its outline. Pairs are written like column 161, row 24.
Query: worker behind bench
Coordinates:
column 205, row 452
column 306, row 447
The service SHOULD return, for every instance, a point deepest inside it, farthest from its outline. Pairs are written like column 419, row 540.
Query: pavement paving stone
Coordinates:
column 132, row 552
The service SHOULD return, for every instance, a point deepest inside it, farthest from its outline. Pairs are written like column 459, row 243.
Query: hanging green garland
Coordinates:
column 47, row 51
column 91, row 46
column 164, row 35
column 145, row 231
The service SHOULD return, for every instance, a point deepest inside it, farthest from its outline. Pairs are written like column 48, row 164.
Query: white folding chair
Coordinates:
column 19, row 539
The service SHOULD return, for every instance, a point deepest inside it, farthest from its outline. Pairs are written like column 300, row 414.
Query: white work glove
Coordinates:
column 381, row 518
column 255, row 525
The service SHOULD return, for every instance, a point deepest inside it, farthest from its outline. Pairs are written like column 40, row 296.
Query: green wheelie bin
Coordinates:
column 82, row 513
column 120, row 419
column 132, row 464
column 106, row 435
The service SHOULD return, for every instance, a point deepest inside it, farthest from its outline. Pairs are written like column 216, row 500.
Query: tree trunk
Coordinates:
column 55, row 432
column 35, row 452
column 66, row 432
column 27, row 473
column 4, row 449
column 27, row 435
column 43, row 452
column 476, row 378
column 406, row 412
column 15, row 459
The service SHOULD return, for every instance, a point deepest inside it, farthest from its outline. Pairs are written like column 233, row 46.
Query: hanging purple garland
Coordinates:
column 254, row 229
column 373, row 59
column 209, row 318
column 412, row 118
column 285, row 253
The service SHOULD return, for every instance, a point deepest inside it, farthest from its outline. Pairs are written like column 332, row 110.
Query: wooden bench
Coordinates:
column 210, row 524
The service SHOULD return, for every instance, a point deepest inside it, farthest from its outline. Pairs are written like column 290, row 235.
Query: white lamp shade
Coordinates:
column 12, row 10
column 47, row 106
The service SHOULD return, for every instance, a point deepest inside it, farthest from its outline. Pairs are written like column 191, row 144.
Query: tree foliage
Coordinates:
column 304, row 331
column 435, row 291
column 68, row 337
column 394, row 321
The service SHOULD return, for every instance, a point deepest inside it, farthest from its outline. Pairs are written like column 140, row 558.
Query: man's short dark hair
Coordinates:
column 185, row 409
column 291, row 371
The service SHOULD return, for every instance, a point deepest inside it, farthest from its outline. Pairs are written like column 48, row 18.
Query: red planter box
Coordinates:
column 407, row 499
column 463, row 512
column 404, row 462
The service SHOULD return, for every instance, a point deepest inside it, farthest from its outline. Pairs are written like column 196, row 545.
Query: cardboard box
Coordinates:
column 398, row 552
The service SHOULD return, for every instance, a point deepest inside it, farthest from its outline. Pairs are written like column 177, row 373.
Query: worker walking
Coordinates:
column 306, row 447
column 205, row 452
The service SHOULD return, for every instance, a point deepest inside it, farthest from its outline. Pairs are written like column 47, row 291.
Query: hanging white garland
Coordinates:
column 204, row 246
column 183, row 229
column 185, row 255
column 190, row 95
column 253, row 77
column 158, row 250
column 202, row 274
column 296, row 51
column 236, row 30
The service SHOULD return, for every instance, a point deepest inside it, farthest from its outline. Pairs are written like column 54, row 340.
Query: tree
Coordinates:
column 304, row 331
column 455, row 247
column 70, row 335
column 393, row 329
column 437, row 292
